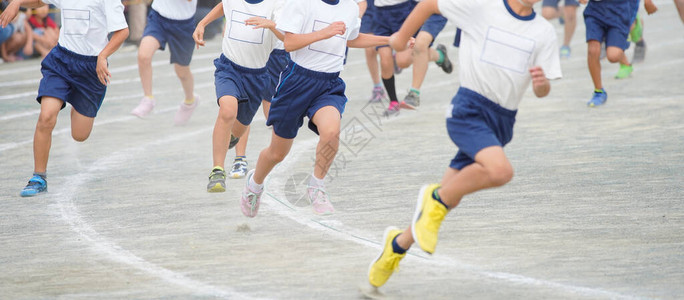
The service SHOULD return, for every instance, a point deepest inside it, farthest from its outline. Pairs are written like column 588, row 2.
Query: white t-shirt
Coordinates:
column 86, row 23
column 276, row 15
column 175, row 9
column 306, row 16
column 498, row 47
column 242, row 44
column 381, row 3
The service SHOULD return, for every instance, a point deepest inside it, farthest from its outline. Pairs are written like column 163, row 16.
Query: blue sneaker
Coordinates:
column 598, row 98
column 36, row 185
column 565, row 51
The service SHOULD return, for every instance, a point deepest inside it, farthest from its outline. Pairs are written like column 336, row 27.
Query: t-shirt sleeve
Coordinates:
column 548, row 58
column 114, row 12
column 354, row 30
column 460, row 12
column 295, row 11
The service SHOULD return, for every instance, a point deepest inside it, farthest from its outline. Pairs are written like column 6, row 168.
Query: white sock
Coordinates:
column 255, row 187
column 315, row 182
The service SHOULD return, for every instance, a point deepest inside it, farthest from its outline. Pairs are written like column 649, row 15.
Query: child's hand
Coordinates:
column 336, row 28
column 259, row 22
column 10, row 12
column 198, row 35
column 102, row 71
column 650, row 7
column 538, row 77
column 395, row 44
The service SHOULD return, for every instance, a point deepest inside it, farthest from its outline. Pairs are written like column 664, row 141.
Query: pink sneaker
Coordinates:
column 319, row 201
column 393, row 108
column 405, row 105
column 185, row 112
column 249, row 202
column 144, row 108
column 378, row 94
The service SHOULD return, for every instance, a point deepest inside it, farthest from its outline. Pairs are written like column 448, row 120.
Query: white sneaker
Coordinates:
column 319, row 201
column 185, row 112
column 239, row 169
column 144, row 108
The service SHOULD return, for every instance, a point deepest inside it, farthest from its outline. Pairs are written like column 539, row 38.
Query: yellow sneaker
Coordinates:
column 427, row 219
column 387, row 262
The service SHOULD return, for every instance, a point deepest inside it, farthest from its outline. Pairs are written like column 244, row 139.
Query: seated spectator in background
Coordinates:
column 45, row 32
column 15, row 41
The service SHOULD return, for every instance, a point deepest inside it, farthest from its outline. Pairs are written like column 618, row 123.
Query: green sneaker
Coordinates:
column 638, row 31
column 624, row 72
column 217, row 180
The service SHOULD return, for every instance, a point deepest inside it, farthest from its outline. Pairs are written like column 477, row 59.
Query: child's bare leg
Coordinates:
column 404, row 58
column 570, row 23
column 42, row 138
column 266, row 106
column 271, row 156
column 680, row 8
column 422, row 56
column 241, row 147
column 148, row 46
column 490, row 169
column 81, row 126
column 187, row 80
column 616, row 54
column 593, row 60
column 372, row 63
column 228, row 106
column 327, row 119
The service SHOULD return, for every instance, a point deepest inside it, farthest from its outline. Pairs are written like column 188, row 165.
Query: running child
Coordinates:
column 75, row 71
column 240, row 76
column 172, row 22
column 609, row 22
column 317, row 33
column 378, row 92
column 277, row 62
column 568, row 16
column 505, row 46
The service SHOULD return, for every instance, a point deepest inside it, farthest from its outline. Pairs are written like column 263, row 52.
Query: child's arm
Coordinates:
column 363, row 6
column 540, row 84
column 295, row 41
column 28, row 47
column 118, row 37
column 650, row 6
column 13, row 8
column 426, row 8
column 214, row 14
column 260, row 22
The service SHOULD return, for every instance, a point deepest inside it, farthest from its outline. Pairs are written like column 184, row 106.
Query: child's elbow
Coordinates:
column 124, row 32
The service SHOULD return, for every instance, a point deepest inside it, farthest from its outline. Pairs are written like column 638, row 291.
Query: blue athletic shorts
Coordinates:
column 367, row 19
column 609, row 21
column 245, row 84
column 477, row 123
column 277, row 62
column 554, row 3
column 177, row 33
column 302, row 92
column 388, row 19
column 72, row 78
column 434, row 25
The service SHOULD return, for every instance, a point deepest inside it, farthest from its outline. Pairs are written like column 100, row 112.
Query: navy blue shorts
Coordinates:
column 434, row 25
column 554, row 3
column 388, row 19
column 72, row 78
column 609, row 21
column 367, row 19
column 245, row 84
column 277, row 62
column 177, row 33
column 300, row 93
column 477, row 123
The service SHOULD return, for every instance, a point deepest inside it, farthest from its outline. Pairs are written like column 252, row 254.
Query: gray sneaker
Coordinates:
column 446, row 65
column 412, row 99
column 233, row 141
column 639, row 52
column 217, row 181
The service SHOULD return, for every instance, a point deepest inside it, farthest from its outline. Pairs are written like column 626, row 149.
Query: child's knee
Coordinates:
column 80, row 136
column 144, row 58
column 501, row 175
column 227, row 114
column 276, row 155
column 614, row 56
column 46, row 121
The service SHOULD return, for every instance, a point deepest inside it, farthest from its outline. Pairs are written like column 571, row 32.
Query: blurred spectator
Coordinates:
column 15, row 38
column 136, row 16
column 45, row 33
